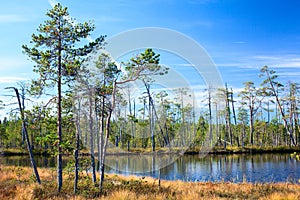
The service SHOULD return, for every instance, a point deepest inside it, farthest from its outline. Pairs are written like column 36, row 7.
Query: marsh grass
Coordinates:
column 17, row 183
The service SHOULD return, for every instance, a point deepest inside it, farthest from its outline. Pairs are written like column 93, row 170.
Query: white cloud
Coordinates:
column 287, row 64
column 288, row 74
column 266, row 57
column 12, row 79
column 10, row 18
column 283, row 61
column 11, row 62
column 258, row 61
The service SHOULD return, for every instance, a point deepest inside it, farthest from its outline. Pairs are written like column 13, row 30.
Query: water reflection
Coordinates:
column 41, row 161
column 236, row 168
column 137, row 163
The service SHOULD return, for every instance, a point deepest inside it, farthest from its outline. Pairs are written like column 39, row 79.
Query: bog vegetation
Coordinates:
column 18, row 183
column 103, row 115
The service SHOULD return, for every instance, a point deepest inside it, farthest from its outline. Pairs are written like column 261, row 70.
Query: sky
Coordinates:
column 239, row 36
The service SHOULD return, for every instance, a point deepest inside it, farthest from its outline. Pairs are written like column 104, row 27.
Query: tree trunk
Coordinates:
column 227, row 119
column 243, row 134
column 97, row 136
column 77, row 148
column 210, row 118
column 102, row 120
column 32, row 161
column 107, row 132
column 59, row 121
column 281, row 110
column 251, row 126
column 151, row 116
column 234, row 118
column 91, row 124
column 23, row 106
column 131, row 121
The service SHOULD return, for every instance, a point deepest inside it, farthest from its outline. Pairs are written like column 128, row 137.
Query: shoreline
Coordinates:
column 191, row 151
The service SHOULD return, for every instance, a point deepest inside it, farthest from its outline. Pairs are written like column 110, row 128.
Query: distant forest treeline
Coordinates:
column 265, row 115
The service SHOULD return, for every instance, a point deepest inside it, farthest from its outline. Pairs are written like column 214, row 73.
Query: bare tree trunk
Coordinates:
column 107, row 133
column 227, row 118
column 234, row 118
column 251, row 125
column 91, row 130
column 151, row 116
column 281, row 110
column 243, row 134
column 77, row 148
column 97, row 135
column 22, row 85
column 151, row 123
column 297, row 132
column 144, row 113
column 294, row 111
column 32, row 161
column 132, row 115
column 210, row 118
column 217, row 124
column 134, row 124
column 102, row 120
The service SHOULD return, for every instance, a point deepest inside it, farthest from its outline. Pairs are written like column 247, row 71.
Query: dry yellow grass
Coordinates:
column 18, row 183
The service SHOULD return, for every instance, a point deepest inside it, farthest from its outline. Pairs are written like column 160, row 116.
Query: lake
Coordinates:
column 235, row 168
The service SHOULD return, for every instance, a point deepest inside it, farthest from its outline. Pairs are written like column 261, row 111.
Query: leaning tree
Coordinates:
column 271, row 84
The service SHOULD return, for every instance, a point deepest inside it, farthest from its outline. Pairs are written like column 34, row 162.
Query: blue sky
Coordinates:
column 240, row 35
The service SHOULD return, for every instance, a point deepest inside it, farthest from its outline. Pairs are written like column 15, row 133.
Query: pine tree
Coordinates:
column 57, row 59
column 251, row 97
column 270, row 84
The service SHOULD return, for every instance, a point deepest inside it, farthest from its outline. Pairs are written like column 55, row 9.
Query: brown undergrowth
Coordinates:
column 19, row 183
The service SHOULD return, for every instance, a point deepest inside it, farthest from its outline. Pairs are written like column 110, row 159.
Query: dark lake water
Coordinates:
column 234, row 168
